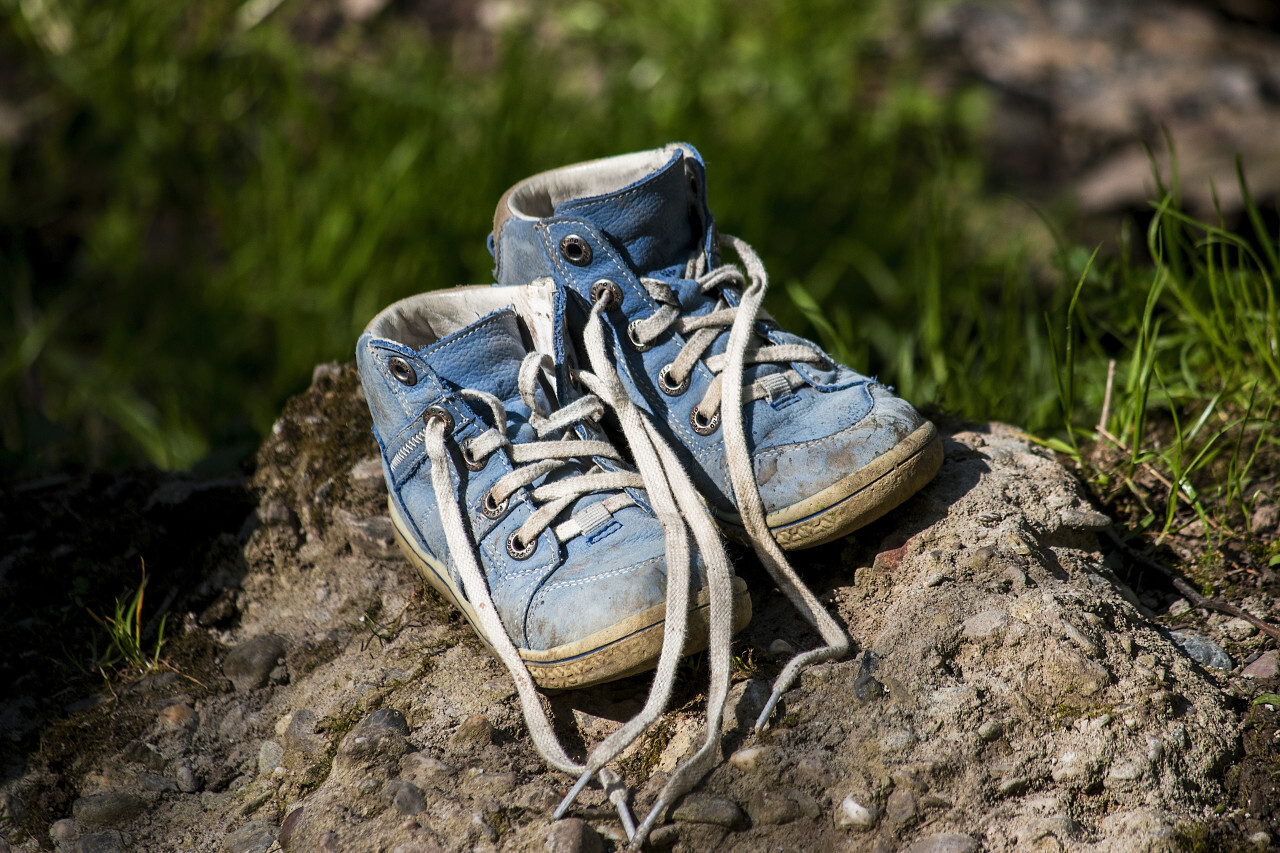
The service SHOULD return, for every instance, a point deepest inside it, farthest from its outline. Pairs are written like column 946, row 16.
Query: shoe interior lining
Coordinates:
column 537, row 197
column 421, row 320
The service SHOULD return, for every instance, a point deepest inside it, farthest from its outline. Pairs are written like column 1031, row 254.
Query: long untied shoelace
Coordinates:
column 724, row 398
column 676, row 504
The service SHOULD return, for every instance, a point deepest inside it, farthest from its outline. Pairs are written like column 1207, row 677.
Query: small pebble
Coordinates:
column 780, row 648
column 249, row 664
column 1202, row 650
column 178, row 716
column 408, row 800
column 573, row 835
column 853, row 815
column 703, row 808
column 62, row 831
column 990, row 730
column 1266, row 666
column 1239, row 629
column 773, row 807
column 475, row 731
column 256, row 836
column 936, row 579
column 901, row 806
column 187, row 781
column 270, row 754
column 747, row 758
column 109, row 808
column 289, row 826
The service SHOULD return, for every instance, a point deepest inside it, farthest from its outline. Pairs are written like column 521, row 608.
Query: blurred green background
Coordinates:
column 200, row 201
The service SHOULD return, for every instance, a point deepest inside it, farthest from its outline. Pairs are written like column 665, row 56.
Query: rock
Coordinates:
column 747, row 758
column 945, row 843
column 1089, row 520
column 406, row 797
column 1239, row 629
column 427, row 770
column 249, row 664
column 901, row 806
column 984, row 624
column 1076, row 769
column 475, row 732
column 772, row 807
column 178, row 716
column 270, row 754
column 1202, row 650
column 256, row 836
column 853, row 815
column 107, row 809
column 378, row 736
column 374, row 537
column 302, row 745
column 104, row 842
column 152, row 782
column 703, row 808
column 1266, row 518
column 991, row 730
column 780, row 648
column 664, row 836
column 1266, row 666
column 1179, row 606
column 572, row 835
column 289, row 826
column 188, row 783
column 62, row 831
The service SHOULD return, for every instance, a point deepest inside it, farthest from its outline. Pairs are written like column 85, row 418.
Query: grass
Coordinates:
column 124, row 643
column 1169, row 372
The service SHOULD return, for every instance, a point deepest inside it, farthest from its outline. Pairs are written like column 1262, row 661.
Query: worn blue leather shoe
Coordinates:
column 488, row 476
column 825, row 448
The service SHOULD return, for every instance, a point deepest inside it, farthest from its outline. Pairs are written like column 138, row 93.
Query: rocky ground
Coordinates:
column 1079, row 87
column 1008, row 690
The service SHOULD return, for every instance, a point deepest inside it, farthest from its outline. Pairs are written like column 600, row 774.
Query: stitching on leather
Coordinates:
column 602, row 576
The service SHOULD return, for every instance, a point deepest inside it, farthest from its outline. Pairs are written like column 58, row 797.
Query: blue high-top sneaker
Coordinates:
column 513, row 505
column 828, row 449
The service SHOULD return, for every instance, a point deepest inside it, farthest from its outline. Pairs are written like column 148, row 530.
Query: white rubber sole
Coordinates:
column 625, row 648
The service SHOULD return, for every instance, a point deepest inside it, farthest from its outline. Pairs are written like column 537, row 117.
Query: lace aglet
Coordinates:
column 642, row 832
column 768, row 709
column 628, row 822
column 572, row 795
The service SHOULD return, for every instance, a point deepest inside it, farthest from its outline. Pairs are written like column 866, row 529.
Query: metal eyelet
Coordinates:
column 472, row 463
column 491, row 508
column 704, row 427
column 672, row 390
column 607, row 291
column 438, row 413
column 517, row 551
column 636, row 343
column 575, row 250
column 402, row 370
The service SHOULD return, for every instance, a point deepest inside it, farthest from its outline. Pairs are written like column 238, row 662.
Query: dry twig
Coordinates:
column 1196, row 599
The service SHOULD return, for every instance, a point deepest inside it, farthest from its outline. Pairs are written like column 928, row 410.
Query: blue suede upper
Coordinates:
column 563, row 591
column 802, row 441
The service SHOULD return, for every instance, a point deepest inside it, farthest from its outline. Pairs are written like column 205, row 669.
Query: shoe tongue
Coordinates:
column 485, row 356
column 657, row 219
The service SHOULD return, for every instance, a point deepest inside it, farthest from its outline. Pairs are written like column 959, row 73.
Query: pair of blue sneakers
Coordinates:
column 564, row 448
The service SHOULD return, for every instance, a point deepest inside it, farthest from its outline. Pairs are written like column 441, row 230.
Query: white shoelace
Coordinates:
column 676, row 504
column 725, row 397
